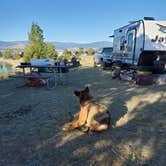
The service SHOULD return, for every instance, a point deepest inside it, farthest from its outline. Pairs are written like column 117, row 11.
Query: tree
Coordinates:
column 8, row 54
column 33, row 51
column 77, row 55
column 36, row 34
column 17, row 55
column 67, row 54
column 90, row 51
column 37, row 48
column 51, row 52
column 60, row 58
column 81, row 50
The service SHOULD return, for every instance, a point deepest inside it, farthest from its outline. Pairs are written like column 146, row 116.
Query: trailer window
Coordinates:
column 130, row 42
column 122, row 43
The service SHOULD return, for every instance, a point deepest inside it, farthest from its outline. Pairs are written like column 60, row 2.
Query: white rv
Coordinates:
column 141, row 43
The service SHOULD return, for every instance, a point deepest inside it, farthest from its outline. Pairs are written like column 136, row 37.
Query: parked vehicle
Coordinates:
column 97, row 57
column 140, row 44
column 103, row 57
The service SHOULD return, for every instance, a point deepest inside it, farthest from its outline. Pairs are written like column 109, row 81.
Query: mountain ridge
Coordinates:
column 58, row 45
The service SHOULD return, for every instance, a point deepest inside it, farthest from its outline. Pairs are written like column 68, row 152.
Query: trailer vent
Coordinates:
column 149, row 18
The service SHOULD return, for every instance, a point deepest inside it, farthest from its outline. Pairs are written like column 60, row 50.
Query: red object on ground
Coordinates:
column 37, row 82
column 144, row 79
column 34, row 82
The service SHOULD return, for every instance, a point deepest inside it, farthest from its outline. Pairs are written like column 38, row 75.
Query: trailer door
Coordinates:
column 130, row 48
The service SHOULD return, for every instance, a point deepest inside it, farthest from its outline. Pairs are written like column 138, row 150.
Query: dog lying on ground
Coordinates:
column 92, row 116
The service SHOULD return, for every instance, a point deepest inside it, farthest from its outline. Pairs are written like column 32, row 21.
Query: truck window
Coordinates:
column 130, row 42
column 107, row 50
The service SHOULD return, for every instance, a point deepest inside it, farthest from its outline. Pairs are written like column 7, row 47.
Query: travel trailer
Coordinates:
column 141, row 44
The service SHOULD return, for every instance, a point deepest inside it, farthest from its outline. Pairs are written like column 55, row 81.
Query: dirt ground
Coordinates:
column 31, row 120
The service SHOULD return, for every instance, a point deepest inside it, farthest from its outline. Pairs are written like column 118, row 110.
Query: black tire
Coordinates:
column 103, row 65
column 94, row 64
column 116, row 68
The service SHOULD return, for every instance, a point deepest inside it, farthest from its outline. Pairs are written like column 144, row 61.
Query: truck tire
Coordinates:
column 116, row 68
column 103, row 65
column 94, row 64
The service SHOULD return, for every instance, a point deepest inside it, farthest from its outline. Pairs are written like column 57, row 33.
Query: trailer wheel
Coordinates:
column 116, row 68
column 159, row 67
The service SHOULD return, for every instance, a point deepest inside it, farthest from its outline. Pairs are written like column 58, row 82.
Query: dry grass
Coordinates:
column 14, row 63
column 31, row 120
column 87, row 61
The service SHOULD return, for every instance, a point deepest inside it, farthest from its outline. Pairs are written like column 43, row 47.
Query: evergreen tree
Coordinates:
column 37, row 48
column 36, row 34
column 51, row 52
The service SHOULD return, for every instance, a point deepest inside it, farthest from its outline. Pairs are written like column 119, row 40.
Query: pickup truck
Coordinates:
column 103, row 57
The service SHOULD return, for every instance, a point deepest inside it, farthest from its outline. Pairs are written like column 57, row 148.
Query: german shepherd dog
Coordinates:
column 92, row 116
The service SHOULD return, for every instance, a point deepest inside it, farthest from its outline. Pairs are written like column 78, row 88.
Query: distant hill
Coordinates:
column 100, row 44
column 12, row 44
column 58, row 45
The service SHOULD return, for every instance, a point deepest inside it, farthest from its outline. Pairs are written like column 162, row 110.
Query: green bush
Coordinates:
column 1, row 54
column 8, row 54
column 90, row 51
column 16, row 56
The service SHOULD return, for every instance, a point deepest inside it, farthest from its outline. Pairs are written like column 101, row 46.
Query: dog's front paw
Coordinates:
column 67, row 127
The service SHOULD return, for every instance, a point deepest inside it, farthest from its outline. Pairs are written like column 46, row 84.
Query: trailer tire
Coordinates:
column 159, row 67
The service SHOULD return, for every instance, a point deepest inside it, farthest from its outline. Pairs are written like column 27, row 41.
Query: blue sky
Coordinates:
column 73, row 20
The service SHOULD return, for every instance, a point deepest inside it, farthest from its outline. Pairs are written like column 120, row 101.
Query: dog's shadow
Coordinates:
column 117, row 110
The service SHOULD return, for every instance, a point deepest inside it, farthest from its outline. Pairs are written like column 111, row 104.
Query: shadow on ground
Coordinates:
column 136, row 136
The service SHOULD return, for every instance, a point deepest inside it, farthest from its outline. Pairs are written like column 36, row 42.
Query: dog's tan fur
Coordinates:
column 93, row 115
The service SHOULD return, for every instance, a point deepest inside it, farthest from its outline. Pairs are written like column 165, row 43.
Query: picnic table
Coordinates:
column 55, row 70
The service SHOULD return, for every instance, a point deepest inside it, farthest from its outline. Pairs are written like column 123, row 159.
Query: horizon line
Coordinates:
column 57, row 41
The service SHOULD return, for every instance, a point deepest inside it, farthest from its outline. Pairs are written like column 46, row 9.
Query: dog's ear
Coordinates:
column 86, row 89
column 77, row 93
